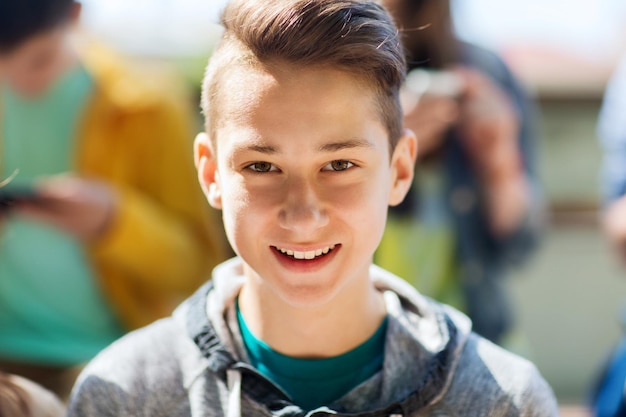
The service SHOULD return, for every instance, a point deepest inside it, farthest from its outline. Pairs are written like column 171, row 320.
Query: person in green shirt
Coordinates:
column 99, row 248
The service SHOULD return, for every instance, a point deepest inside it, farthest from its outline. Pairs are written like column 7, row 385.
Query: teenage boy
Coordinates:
column 117, row 234
column 304, row 151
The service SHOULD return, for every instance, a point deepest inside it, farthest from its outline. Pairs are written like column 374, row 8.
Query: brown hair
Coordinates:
column 354, row 36
column 14, row 400
column 21, row 397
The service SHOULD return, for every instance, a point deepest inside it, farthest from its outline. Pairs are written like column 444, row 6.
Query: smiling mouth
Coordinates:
column 306, row 255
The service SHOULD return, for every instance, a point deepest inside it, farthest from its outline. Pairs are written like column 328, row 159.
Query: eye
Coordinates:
column 338, row 165
column 262, row 167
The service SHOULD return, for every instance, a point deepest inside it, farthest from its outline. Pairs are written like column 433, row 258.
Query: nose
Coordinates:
column 303, row 211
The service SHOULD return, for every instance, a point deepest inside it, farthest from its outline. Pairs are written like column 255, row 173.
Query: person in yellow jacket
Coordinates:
column 112, row 233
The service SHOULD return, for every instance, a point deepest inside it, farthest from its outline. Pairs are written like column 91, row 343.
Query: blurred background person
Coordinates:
column 476, row 207
column 609, row 398
column 109, row 231
column 612, row 134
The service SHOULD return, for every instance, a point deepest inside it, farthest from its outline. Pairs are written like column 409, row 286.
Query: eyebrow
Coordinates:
column 348, row 144
column 328, row 147
column 266, row 149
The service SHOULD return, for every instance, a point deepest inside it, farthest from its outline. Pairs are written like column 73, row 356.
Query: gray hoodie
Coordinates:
column 194, row 364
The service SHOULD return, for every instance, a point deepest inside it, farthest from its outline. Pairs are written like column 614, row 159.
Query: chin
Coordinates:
column 308, row 296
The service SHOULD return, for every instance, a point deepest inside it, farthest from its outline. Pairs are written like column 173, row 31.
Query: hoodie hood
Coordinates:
column 418, row 367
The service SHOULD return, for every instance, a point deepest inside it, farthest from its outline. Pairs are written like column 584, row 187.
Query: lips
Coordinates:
column 307, row 255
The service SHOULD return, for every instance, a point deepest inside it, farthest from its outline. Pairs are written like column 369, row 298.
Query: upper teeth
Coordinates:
column 307, row 254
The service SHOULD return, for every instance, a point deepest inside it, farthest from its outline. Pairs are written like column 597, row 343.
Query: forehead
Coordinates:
column 279, row 100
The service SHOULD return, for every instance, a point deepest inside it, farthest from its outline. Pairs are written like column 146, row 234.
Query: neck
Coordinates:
column 319, row 331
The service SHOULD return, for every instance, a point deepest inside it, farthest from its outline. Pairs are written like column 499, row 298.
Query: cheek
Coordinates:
column 363, row 206
column 246, row 210
column 233, row 210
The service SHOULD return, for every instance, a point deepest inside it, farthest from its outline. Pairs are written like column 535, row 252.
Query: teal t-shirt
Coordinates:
column 312, row 383
column 51, row 309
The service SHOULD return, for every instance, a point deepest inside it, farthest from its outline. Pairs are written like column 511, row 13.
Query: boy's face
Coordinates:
column 304, row 176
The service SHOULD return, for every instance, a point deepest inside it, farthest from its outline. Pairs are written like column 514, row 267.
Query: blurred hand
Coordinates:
column 488, row 124
column 488, row 128
column 614, row 223
column 80, row 207
column 429, row 116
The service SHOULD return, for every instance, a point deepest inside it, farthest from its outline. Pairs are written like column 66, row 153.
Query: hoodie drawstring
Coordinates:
column 233, row 378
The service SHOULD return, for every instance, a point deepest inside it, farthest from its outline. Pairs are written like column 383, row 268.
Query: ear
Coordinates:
column 402, row 167
column 206, row 164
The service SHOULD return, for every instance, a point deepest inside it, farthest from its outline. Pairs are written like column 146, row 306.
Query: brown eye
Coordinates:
column 340, row 165
column 262, row 167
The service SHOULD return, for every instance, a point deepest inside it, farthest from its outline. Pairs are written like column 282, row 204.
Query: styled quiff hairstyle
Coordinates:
column 358, row 37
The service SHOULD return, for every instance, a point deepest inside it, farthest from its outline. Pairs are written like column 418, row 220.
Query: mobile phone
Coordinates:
column 12, row 193
column 434, row 82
